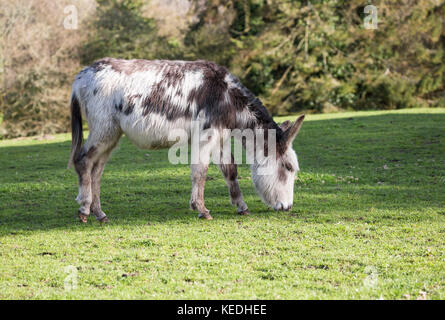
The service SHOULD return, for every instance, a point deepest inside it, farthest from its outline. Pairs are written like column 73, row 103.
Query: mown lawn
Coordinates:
column 368, row 220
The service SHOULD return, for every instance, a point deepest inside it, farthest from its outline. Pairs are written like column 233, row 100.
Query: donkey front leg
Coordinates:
column 199, row 172
column 230, row 173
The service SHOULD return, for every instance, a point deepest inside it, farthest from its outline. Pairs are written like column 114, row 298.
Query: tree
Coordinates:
column 317, row 55
column 120, row 30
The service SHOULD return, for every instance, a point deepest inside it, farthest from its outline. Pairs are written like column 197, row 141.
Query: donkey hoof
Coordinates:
column 206, row 216
column 244, row 212
column 103, row 220
column 83, row 217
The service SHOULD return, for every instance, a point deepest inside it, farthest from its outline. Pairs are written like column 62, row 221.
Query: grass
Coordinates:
column 368, row 220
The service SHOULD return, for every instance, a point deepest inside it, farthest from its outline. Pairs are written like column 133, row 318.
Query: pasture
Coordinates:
column 368, row 220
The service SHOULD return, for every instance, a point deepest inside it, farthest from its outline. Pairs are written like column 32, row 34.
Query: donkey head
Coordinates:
column 274, row 178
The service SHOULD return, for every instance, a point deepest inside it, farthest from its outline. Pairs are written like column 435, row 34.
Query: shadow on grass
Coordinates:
column 350, row 167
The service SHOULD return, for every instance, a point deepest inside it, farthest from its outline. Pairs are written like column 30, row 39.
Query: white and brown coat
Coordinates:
column 148, row 99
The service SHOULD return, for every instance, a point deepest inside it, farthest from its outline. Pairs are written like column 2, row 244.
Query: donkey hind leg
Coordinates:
column 89, row 166
column 199, row 172
column 96, row 174
column 230, row 173
column 83, row 164
column 199, row 169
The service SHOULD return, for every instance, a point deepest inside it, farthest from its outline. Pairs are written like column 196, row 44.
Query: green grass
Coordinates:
column 368, row 220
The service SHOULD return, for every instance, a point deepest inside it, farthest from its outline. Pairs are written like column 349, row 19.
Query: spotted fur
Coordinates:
column 146, row 100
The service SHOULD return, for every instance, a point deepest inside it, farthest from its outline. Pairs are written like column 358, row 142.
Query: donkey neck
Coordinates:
column 260, row 119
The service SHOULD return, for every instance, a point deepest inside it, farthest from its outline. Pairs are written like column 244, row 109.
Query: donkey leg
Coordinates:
column 96, row 174
column 90, row 164
column 83, row 165
column 199, row 172
column 230, row 174
column 106, row 145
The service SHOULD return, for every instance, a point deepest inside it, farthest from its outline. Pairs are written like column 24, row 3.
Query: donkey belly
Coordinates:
column 155, row 131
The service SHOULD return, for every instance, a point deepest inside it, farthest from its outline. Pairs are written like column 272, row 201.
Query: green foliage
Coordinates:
column 19, row 102
column 209, row 38
column 316, row 55
column 28, row 109
column 369, row 196
column 119, row 30
column 388, row 93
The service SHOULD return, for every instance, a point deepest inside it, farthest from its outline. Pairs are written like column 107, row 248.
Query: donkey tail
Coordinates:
column 76, row 129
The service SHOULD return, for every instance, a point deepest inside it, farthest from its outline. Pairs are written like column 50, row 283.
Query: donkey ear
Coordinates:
column 285, row 125
column 291, row 133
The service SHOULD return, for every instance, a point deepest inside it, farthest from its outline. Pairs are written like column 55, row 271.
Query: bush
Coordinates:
column 317, row 56
column 38, row 59
column 120, row 30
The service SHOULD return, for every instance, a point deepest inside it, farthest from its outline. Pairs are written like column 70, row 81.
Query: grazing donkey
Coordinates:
column 146, row 100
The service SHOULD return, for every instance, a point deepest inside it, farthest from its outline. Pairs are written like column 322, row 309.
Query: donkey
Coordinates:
column 148, row 99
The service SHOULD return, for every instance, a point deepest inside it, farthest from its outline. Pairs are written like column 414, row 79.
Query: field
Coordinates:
column 368, row 220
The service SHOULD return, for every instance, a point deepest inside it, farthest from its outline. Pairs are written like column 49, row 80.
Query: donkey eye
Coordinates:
column 288, row 167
